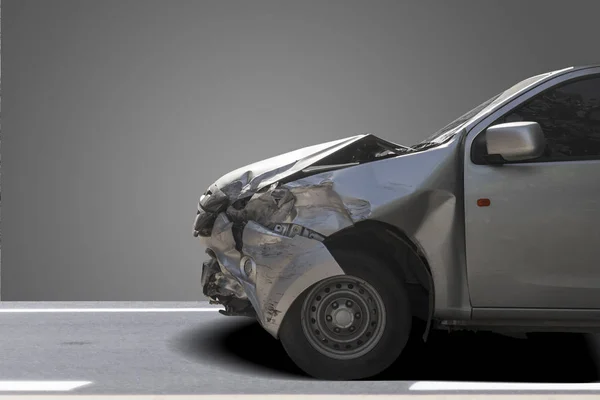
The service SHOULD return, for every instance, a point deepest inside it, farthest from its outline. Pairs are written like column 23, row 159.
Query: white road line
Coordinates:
column 440, row 386
column 106, row 310
column 41, row 386
column 312, row 397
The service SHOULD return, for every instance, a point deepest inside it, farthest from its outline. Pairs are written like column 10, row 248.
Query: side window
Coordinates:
column 570, row 118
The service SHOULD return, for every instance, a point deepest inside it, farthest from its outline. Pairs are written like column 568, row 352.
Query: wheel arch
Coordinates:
column 397, row 249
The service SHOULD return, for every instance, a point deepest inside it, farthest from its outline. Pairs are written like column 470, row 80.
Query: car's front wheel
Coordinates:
column 350, row 326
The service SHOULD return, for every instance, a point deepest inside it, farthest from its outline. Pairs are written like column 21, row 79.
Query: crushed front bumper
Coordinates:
column 222, row 289
column 266, row 270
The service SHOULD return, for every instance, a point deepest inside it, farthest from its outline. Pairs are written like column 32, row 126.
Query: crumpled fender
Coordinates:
column 285, row 223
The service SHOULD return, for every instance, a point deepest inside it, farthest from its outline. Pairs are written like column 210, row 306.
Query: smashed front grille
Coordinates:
column 225, row 290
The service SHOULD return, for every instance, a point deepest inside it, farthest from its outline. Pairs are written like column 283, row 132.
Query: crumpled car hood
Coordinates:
column 285, row 211
column 247, row 180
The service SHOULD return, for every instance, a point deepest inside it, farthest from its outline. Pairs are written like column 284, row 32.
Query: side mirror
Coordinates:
column 514, row 141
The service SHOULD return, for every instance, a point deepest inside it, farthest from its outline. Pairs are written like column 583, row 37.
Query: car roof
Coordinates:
column 580, row 67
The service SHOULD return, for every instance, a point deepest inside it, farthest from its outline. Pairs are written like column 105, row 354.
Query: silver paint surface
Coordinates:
column 245, row 181
column 536, row 246
column 516, row 141
column 414, row 192
column 500, row 256
column 285, row 267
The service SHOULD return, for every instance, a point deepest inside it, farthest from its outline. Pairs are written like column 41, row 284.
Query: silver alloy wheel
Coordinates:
column 343, row 317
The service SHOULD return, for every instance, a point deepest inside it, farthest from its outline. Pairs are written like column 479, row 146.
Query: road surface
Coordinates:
column 189, row 348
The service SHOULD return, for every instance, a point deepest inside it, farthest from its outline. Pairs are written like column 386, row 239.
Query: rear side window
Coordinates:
column 570, row 118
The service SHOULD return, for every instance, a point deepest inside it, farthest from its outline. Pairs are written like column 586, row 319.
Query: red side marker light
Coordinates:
column 483, row 202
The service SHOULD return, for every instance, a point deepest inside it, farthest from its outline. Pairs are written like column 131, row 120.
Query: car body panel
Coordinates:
column 422, row 186
column 284, row 266
column 278, row 212
column 522, row 252
column 416, row 193
column 253, row 177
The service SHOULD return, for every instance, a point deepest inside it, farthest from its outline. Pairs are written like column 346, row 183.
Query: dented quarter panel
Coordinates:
column 417, row 193
column 321, row 208
column 285, row 268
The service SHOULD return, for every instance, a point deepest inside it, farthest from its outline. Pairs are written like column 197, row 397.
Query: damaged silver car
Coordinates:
column 489, row 224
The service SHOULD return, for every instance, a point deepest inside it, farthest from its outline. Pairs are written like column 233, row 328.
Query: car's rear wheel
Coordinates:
column 350, row 326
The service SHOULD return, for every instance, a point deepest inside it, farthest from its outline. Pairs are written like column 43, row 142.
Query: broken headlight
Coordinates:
column 291, row 230
column 204, row 223
column 214, row 201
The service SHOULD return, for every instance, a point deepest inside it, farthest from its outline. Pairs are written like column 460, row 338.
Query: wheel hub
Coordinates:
column 343, row 317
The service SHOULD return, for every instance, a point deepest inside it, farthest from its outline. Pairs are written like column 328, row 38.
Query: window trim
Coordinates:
column 511, row 106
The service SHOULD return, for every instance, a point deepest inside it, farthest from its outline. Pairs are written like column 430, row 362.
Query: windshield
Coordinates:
column 441, row 135
column 450, row 130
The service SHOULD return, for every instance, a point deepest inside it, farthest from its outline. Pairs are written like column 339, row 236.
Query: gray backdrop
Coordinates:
column 117, row 114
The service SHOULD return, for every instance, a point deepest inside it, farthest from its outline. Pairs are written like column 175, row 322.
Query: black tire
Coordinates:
column 393, row 336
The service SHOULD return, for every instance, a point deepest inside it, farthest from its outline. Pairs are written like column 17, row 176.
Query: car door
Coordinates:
column 536, row 243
